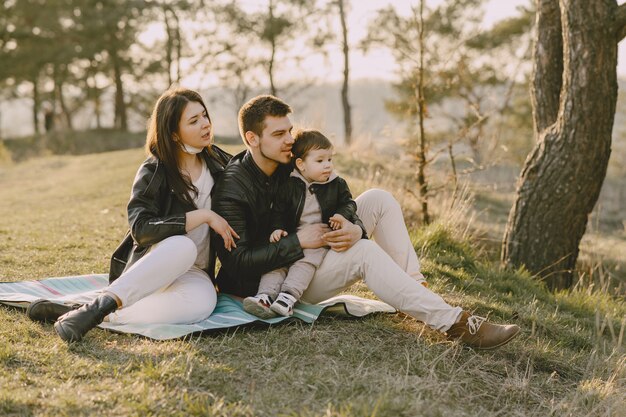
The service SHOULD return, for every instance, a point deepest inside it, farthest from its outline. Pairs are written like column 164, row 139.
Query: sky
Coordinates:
column 379, row 63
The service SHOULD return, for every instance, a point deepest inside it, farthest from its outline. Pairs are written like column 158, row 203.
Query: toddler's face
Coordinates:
column 317, row 165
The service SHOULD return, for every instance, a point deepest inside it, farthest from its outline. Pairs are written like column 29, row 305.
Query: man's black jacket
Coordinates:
column 155, row 212
column 334, row 197
column 244, row 196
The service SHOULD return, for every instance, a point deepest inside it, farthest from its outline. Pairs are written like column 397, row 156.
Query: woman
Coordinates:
column 162, row 272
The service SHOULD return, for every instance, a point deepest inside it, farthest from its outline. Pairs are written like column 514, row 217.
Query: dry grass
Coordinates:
column 64, row 215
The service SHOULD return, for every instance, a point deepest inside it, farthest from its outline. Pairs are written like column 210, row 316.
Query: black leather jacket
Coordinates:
column 156, row 213
column 334, row 197
column 244, row 196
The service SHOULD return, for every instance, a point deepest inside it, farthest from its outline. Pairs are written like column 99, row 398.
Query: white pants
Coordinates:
column 389, row 267
column 164, row 286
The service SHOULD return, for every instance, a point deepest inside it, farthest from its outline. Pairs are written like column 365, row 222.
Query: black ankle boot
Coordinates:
column 72, row 326
column 45, row 311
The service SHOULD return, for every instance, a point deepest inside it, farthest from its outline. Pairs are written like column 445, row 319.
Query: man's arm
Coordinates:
column 250, row 258
column 253, row 255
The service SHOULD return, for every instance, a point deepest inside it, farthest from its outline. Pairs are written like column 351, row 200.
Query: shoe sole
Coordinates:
column 52, row 317
column 500, row 344
column 252, row 307
column 280, row 311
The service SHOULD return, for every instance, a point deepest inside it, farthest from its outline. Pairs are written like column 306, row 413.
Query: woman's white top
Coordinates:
column 200, row 235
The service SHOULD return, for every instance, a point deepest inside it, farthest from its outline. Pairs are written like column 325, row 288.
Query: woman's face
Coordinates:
column 194, row 128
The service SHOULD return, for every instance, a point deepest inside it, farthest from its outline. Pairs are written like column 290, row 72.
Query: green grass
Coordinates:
column 63, row 215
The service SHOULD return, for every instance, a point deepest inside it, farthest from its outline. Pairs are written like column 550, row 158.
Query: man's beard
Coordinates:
column 269, row 158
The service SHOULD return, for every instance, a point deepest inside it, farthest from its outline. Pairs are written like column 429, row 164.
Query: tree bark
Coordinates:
column 347, row 113
column 548, row 64
column 562, row 176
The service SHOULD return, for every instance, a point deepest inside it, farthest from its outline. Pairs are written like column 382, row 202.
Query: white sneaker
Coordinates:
column 259, row 305
column 284, row 304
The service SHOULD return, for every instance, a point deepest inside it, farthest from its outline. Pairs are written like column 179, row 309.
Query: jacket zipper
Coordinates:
column 163, row 222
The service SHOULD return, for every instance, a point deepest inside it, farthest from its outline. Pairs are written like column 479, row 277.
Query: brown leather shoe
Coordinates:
column 478, row 333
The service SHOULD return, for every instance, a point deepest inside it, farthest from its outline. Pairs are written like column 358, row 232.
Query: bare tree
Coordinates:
column 421, row 111
column 270, row 32
column 347, row 112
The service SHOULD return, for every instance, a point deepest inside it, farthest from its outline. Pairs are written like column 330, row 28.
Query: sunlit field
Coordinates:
column 65, row 214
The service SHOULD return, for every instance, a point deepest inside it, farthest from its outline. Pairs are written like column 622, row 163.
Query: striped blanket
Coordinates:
column 228, row 313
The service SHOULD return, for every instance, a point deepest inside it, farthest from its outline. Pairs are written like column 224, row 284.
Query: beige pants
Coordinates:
column 389, row 267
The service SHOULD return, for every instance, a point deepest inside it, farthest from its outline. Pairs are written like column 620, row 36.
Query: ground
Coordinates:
column 63, row 215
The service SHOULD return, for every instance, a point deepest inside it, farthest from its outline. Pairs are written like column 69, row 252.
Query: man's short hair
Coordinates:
column 252, row 114
column 308, row 140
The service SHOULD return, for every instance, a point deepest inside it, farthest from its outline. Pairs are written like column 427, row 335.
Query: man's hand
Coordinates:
column 310, row 236
column 277, row 235
column 343, row 239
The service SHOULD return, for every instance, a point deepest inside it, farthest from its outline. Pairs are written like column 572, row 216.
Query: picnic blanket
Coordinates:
column 228, row 312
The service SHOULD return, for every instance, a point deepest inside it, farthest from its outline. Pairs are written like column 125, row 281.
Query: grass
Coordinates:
column 64, row 215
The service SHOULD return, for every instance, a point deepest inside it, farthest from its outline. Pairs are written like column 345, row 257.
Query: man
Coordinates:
column 389, row 267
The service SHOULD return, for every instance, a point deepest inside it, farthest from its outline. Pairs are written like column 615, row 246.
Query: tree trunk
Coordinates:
column 121, row 121
column 60, row 98
column 66, row 114
column 36, row 105
column 548, row 64
column 270, row 69
column 347, row 114
column 169, row 46
column 562, row 176
column 421, row 110
column 179, row 46
column 97, row 106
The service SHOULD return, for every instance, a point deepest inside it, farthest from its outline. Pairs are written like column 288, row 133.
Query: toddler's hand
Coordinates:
column 277, row 235
column 337, row 221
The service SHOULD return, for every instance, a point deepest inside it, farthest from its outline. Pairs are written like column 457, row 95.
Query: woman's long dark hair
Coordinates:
column 160, row 143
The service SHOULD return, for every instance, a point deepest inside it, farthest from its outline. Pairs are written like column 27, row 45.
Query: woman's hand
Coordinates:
column 277, row 235
column 222, row 228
